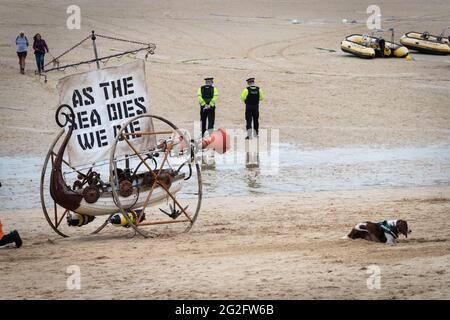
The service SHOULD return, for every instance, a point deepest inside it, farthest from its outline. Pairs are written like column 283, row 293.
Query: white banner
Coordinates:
column 102, row 101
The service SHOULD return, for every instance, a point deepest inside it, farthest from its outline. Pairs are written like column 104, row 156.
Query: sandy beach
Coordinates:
column 254, row 239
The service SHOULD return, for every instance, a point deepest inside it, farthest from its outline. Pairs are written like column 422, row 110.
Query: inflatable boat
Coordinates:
column 426, row 43
column 365, row 46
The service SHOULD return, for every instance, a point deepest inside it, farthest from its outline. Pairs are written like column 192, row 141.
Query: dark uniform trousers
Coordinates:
column 207, row 115
column 252, row 114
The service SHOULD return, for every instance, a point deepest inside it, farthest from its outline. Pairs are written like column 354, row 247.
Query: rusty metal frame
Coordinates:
column 113, row 176
column 55, row 224
column 55, row 221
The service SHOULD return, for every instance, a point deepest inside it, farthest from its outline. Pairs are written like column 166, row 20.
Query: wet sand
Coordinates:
column 283, row 169
column 372, row 130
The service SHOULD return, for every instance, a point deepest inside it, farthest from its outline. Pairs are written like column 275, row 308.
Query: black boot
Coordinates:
column 16, row 238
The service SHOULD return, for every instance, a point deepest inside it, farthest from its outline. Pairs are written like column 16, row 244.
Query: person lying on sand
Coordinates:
column 9, row 238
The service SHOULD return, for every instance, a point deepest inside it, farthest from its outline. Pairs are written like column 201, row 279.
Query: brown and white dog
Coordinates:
column 386, row 231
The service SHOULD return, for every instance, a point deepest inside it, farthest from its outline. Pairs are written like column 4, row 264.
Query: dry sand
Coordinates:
column 269, row 246
column 279, row 247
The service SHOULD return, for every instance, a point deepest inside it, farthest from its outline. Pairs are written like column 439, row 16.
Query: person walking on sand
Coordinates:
column 207, row 98
column 9, row 238
column 21, row 49
column 251, row 96
column 39, row 47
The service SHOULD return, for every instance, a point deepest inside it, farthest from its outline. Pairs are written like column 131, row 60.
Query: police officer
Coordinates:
column 251, row 96
column 207, row 97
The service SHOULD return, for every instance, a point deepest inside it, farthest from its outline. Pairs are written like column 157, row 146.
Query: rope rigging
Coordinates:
column 148, row 47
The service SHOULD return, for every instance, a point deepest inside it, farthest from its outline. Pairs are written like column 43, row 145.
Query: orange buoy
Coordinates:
column 219, row 141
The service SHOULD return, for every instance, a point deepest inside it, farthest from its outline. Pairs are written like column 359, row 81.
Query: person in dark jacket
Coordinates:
column 40, row 48
column 251, row 96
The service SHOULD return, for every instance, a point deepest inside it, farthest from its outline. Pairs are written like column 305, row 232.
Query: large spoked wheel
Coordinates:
column 169, row 195
column 56, row 215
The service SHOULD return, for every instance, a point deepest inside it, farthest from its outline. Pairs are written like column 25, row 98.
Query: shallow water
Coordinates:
column 333, row 169
column 286, row 169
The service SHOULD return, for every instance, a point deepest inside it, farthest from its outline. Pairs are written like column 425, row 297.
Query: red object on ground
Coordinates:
column 219, row 141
